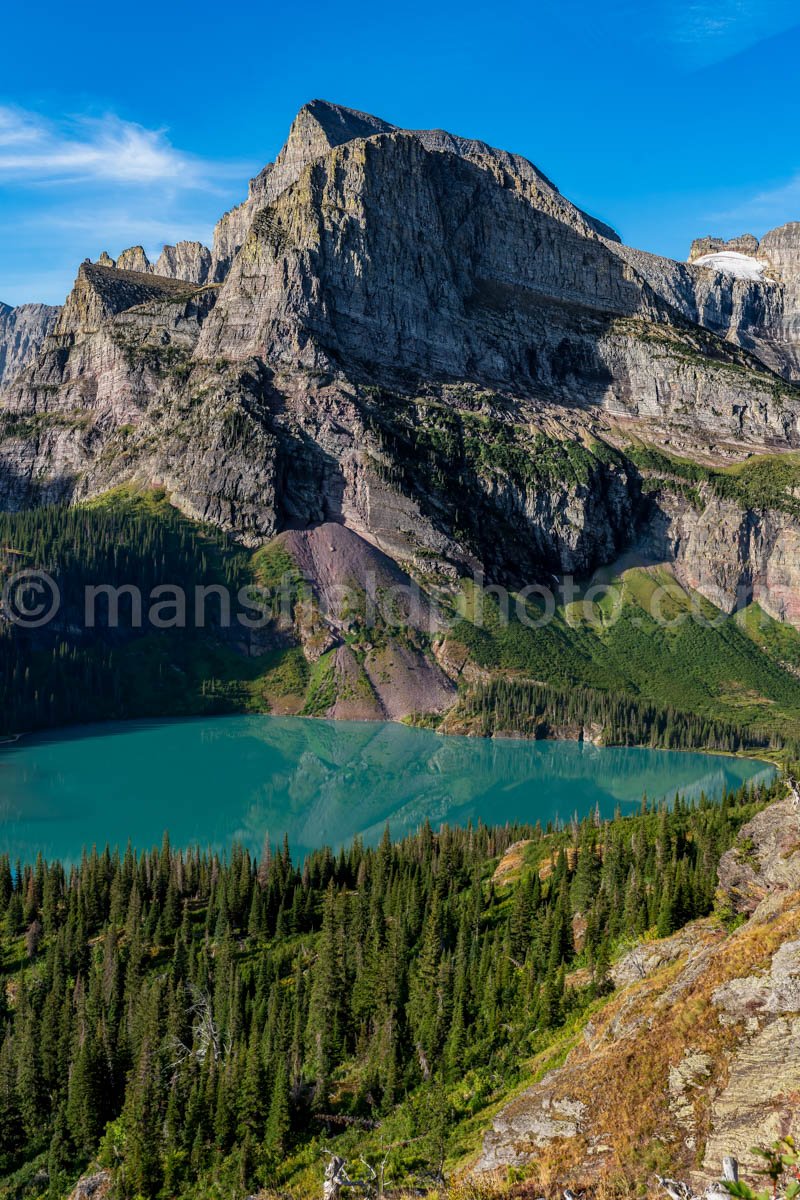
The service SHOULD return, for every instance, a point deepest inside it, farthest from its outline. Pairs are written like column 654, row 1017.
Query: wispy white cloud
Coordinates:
column 765, row 209
column 17, row 127
column 71, row 187
column 704, row 32
column 119, row 225
column 103, row 149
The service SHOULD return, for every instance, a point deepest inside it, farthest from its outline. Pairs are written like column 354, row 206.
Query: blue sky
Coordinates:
column 121, row 125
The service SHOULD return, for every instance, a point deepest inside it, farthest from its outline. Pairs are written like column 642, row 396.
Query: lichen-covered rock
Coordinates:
column 643, row 960
column 685, row 1077
column 766, row 858
column 774, row 993
column 758, row 1103
column 529, row 1123
column 93, row 1187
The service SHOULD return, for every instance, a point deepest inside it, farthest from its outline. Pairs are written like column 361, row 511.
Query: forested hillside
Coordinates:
column 504, row 706
column 65, row 673
column 719, row 682
column 183, row 1019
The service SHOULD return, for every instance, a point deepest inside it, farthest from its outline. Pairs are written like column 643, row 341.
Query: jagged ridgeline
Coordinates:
column 189, row 1023
column 408, row 357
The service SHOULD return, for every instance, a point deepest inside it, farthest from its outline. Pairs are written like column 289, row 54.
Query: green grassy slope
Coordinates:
column 760, row 482
column 740, row 669
column 734, row 668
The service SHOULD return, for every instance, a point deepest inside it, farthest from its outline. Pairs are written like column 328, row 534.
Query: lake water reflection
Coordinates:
column 215, row 781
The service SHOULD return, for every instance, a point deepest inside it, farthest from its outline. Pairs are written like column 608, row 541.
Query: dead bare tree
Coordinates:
column 388, row 1149
column 337, row 1178
column 678, row 1190
column 207, row 1040
column 794, row 788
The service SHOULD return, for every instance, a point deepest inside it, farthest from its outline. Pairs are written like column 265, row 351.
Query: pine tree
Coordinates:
column 399, row 968
column 278, row 1122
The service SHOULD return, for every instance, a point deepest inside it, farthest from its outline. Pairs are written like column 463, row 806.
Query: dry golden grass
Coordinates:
column 510, row 865
column 622, row 1073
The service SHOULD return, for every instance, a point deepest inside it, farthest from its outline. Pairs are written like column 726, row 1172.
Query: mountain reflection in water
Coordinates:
column 212, row 782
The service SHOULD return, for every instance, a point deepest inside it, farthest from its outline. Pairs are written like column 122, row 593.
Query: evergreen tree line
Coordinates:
column 126, row 539
column 182, row 1014
column 541, row 710
column 63, row 673
column 65, row 681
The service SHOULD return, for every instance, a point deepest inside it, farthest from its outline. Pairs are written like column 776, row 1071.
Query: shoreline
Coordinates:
column 555, row 779
column 754, row 754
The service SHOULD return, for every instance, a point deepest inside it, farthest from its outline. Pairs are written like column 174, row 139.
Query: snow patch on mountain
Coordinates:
column 730, row 262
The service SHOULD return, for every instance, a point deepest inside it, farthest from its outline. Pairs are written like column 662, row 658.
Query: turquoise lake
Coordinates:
column 214, row 782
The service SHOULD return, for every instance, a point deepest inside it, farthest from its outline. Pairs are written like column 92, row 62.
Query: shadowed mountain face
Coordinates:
column 417, row 336
column 22, row 331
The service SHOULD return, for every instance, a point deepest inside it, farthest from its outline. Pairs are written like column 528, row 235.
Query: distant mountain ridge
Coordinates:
column 22, row 332
column 779, row 249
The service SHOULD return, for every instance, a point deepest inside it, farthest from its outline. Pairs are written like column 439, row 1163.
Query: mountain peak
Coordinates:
column 340, row 124
column 320, row 126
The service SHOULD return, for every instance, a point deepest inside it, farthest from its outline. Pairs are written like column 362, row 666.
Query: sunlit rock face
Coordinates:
column 707, row 1018
column 415, row 335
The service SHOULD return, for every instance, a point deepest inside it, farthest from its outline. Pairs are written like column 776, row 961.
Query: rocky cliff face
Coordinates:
column 762, row 316
column 729, row 554
column 700, row 1039
column 22, row 331
column 416, row 336
column 746, row 243
column 186, row 260
column 779, row 249
column 189, row 261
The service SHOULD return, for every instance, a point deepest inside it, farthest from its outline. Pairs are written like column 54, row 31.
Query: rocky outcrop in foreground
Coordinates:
column 697, row 1053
